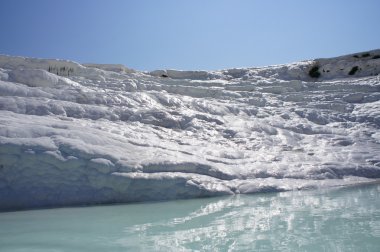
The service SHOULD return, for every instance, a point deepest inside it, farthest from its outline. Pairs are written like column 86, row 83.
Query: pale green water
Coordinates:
column 346, row 219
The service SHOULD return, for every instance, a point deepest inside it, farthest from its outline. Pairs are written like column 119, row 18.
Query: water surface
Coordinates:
column 341, row 219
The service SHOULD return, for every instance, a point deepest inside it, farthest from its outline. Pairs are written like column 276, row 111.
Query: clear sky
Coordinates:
column 188, row 34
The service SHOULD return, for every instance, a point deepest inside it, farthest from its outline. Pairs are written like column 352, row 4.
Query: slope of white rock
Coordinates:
column 74, row 134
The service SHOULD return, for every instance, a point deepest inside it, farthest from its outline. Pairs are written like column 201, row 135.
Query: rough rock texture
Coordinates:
column 73, row 134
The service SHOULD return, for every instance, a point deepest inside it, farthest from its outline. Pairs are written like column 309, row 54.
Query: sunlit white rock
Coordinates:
column 86, row 134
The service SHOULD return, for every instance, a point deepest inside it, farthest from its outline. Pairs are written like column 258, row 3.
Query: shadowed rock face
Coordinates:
column 109, row 134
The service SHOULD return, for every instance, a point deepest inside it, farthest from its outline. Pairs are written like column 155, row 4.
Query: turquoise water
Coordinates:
column 345, row 219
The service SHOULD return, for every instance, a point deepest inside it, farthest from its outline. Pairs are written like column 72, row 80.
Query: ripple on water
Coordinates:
column 342, row 219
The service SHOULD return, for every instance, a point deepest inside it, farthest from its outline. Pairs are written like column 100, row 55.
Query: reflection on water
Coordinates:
column 346, row 219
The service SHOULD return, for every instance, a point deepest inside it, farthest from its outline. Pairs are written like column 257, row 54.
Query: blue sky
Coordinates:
column 188, row 34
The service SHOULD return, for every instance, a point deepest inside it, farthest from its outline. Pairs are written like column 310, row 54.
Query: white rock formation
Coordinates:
column 73, row 134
